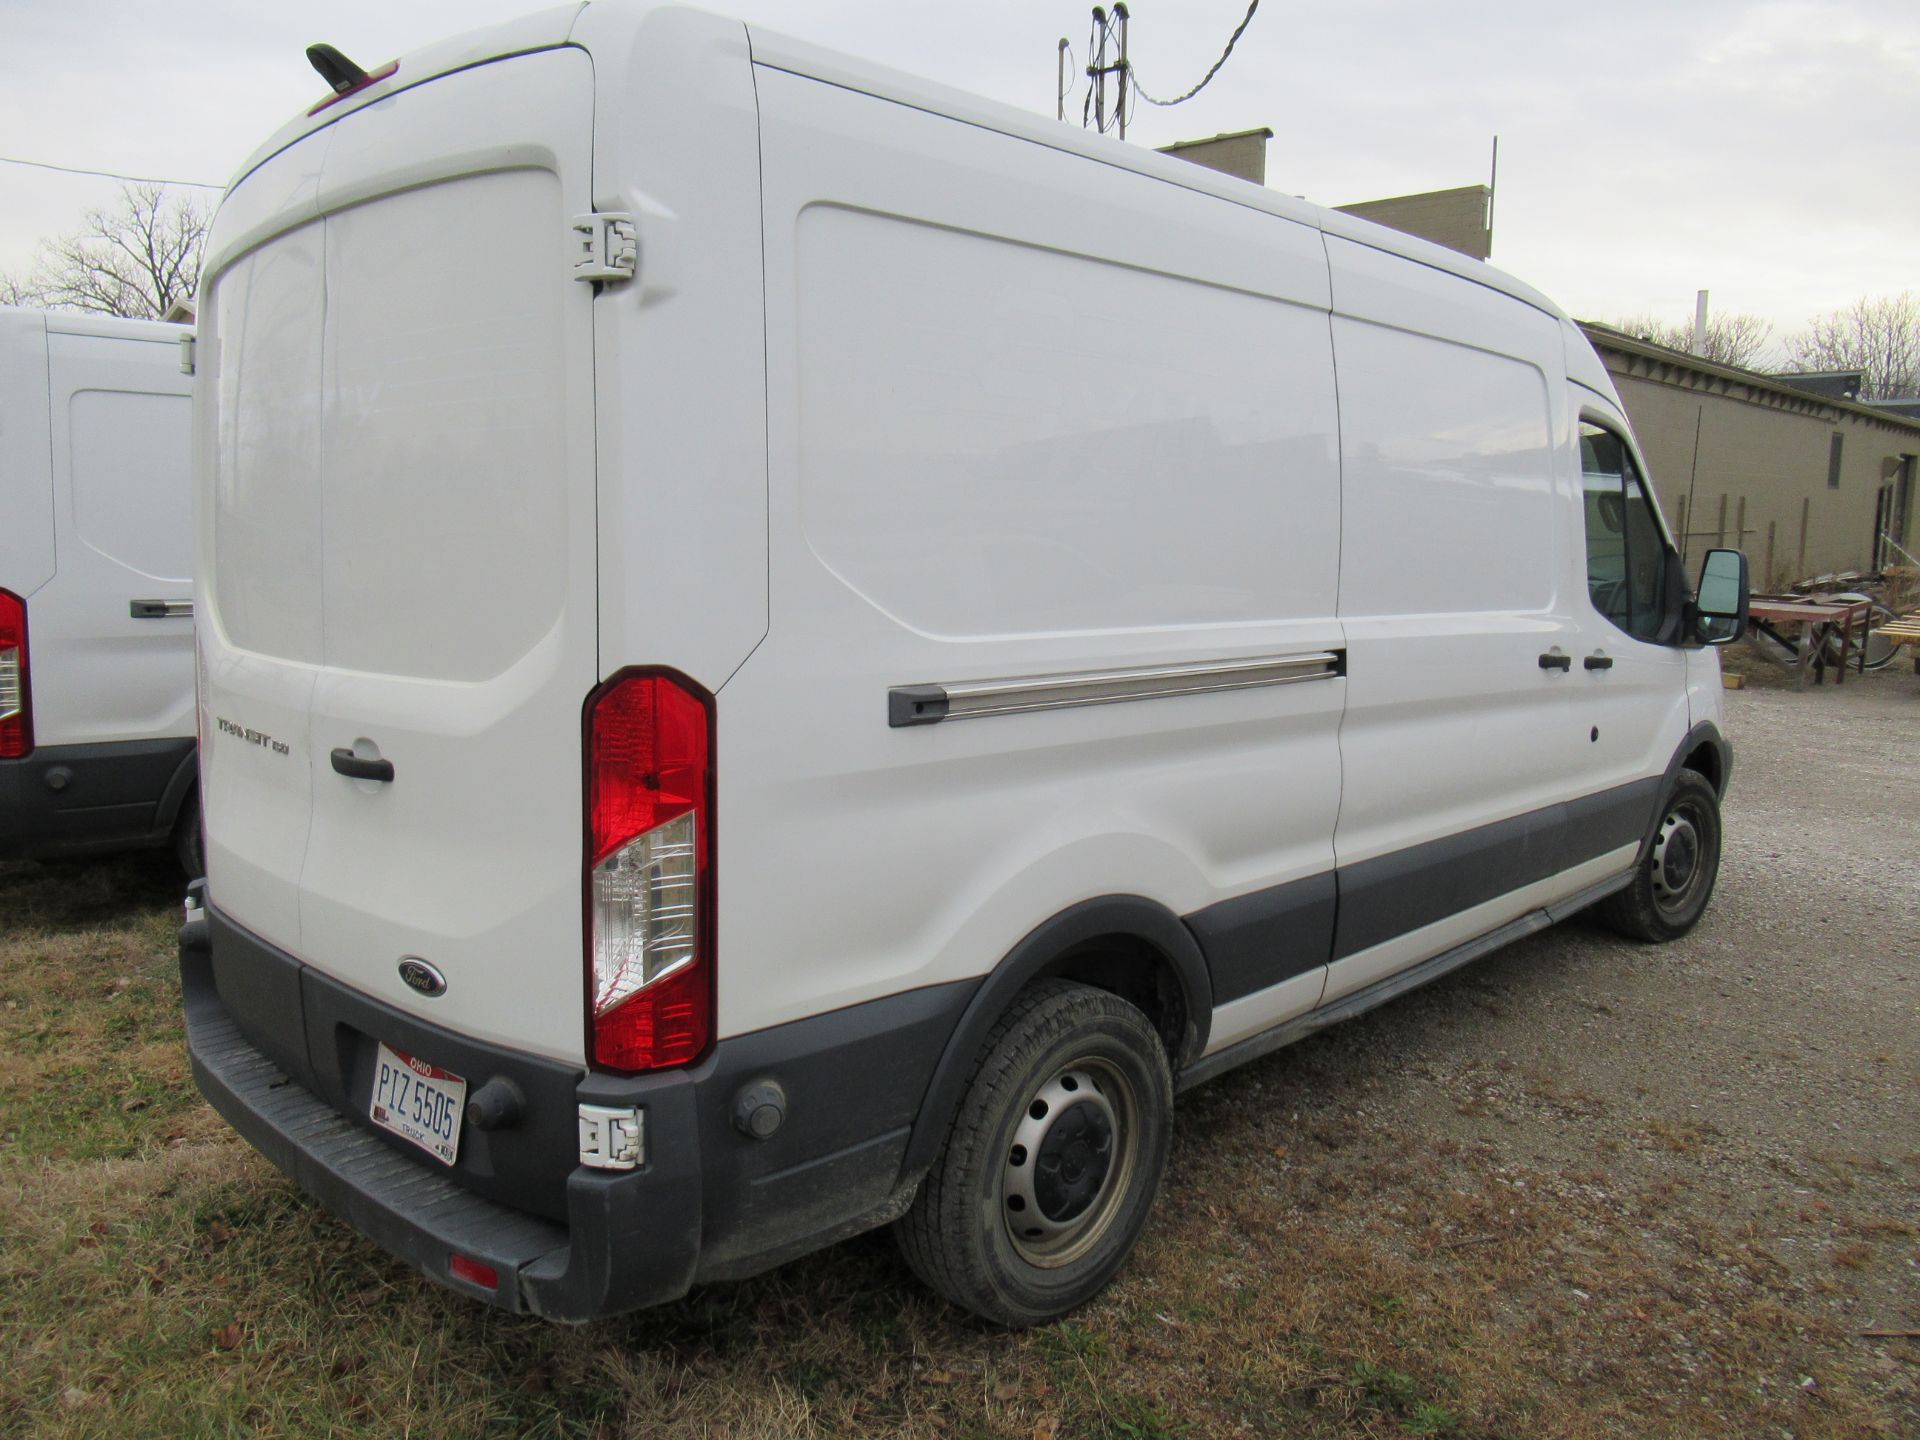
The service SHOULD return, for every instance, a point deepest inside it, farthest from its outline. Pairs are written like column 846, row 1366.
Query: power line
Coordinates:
column 107, row 174
column 1232, row 40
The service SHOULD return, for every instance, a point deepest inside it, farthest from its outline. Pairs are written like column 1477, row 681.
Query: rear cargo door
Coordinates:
column 457, row 584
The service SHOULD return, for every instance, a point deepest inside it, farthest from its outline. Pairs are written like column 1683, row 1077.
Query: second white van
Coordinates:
column 96, row 589
column 785, row 650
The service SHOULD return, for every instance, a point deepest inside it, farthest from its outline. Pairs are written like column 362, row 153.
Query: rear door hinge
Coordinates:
column 606, row 246
column 186, row 354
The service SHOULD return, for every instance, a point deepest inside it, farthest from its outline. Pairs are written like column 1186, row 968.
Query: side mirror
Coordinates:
column 1722, row 604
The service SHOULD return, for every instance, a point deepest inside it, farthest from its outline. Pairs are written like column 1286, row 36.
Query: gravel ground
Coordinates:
column 1758, row 1078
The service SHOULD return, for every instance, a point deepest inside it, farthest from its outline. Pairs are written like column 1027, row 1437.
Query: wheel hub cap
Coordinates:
column 1073, row 1161
column 1676, row 859
column 1069, row 1161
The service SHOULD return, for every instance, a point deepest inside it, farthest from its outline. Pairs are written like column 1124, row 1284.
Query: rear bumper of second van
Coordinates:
column 89, row 799
column 278, row 1050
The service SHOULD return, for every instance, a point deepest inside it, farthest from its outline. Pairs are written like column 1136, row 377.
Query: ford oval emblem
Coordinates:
column 422, row 977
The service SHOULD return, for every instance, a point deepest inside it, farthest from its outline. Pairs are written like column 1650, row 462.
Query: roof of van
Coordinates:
column 113, row 327
column 548, row 28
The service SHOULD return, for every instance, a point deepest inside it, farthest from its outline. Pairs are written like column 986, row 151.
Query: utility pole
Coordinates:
column 1104, row 34
column 1097, row 68
column 1060, row 82
column 1493, row 190
column 1700, row 323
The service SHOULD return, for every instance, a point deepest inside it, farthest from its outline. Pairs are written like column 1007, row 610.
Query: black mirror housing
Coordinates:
column 1720, row 606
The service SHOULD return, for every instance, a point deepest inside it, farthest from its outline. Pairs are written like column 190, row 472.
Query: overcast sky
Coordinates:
column 1763, row 149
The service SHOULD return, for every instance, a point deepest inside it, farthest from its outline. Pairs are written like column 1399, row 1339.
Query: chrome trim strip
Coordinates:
column 159, row 609
column 971, row 699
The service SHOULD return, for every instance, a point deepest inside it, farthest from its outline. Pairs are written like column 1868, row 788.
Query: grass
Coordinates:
column 1309, row 1273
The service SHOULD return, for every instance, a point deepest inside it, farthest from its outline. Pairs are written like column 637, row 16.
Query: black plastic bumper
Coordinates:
column 89, row 799
column 278, row 1050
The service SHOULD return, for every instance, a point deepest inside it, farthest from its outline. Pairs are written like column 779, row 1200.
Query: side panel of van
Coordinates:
column 1025, row 422
column 1452, row 590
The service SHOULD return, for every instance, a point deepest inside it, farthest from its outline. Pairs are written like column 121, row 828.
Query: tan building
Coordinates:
column 1803, row 483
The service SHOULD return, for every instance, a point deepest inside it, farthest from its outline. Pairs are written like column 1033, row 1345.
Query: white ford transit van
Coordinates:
column 96, row 595
column 785, row 650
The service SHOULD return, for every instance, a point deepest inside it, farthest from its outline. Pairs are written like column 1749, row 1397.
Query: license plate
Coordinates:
column 418, row 1102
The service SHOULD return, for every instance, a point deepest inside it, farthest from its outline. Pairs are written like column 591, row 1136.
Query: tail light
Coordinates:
column 650, row 964
column 16, row 711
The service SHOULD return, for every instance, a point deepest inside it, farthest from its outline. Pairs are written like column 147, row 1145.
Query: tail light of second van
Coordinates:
column 16, row 715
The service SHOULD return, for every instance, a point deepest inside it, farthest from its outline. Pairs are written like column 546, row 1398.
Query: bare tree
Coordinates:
column 17, row 291
column 137, row 259
column 1731, row 339
column 1879, row 337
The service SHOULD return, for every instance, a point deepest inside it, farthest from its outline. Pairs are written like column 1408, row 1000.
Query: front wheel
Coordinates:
column 1674, row 879
column 1046, row 1179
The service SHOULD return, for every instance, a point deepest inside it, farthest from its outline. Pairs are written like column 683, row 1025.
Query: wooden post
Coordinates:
column 1806, row 509
column 1720, row 526
column 1740, row 526
column 1766, row 576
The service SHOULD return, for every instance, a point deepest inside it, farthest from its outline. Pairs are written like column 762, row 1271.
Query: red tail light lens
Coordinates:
column 649, row 872
column 16, row 708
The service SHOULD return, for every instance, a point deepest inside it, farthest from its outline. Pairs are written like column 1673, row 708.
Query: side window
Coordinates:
column 1626, row 556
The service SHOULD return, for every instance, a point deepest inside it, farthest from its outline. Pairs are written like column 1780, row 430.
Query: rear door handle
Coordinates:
column 1554, row 660
column 355, row 767
column 1598, row 661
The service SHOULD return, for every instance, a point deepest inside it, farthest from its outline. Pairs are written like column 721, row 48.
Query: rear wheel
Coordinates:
column 1674, row 880
column 1046, row 1179
column 189, row 840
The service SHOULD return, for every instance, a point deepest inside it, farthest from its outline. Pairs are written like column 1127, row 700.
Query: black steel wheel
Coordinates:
column 1676, row 873
column 1051, row 1167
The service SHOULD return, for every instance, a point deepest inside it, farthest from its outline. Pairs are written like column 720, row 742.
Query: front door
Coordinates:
column 1629, row 676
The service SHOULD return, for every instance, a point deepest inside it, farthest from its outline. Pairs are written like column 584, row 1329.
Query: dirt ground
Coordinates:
column 1583, row 1188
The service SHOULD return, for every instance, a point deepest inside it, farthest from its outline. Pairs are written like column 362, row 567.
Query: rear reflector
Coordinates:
column 16, row 714
column 473, row 1272
column 649, row 872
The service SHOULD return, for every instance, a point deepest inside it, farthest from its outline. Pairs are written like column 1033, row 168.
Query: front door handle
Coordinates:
column 1554, row 660
column 1598, row 661
column 355, row 767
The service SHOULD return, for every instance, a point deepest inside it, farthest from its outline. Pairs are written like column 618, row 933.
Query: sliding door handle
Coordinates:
column 1554, row 660
column 1598, row 660
column 159, row 609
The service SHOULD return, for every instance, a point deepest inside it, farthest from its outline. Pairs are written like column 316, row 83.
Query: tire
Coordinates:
column 189, row 840
column 1073, row 1076
column 1674, row 880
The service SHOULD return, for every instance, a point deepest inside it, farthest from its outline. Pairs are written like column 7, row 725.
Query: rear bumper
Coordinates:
column 276, row 1049
column 86, row 799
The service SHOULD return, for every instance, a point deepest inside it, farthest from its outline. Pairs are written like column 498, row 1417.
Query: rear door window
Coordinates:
column 1626, row 553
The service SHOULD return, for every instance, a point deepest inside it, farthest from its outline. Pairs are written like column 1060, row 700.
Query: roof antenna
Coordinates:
column 338, row 71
